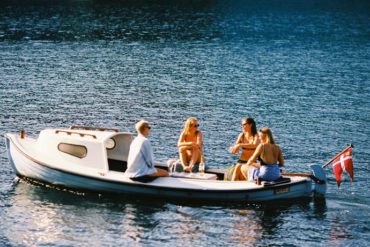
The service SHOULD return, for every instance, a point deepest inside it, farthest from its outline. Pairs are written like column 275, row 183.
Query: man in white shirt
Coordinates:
column 140, row 163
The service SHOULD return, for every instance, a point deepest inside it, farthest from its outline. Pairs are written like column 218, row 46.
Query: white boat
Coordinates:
column 94, row 159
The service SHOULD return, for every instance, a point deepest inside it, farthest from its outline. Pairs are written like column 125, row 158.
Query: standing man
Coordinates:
column 140, row 163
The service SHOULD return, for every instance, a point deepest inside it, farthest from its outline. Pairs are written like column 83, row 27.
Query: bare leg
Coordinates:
column 159, row 173
column 244, row 172
column 183, row 153
column 195, row 156
column 236, row 173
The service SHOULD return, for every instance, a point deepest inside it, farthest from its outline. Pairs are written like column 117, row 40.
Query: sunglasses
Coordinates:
column 148, row 127
column 196, row 125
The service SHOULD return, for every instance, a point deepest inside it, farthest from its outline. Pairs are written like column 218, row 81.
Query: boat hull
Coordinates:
column 27, row 167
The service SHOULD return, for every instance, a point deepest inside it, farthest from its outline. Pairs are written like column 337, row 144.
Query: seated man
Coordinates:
column 140, row 158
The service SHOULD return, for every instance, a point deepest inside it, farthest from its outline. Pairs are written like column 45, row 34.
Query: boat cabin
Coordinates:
column 100, row 149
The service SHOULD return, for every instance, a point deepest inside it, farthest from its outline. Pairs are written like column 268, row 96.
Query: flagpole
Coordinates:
column 336, row 156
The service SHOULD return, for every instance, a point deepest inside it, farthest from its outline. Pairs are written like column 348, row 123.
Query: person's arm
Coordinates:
column 239, row 139
column 251, row 146
column 256, row 154
column 247, row 145
column 150, row 153
column 235, row 148
column 199, row 140
column 256, row 140
column 280, row 158
column 181, row 142
column 147, row 153
column 200, row 144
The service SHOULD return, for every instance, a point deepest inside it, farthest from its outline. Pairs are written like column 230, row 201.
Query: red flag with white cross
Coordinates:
column 343, row 163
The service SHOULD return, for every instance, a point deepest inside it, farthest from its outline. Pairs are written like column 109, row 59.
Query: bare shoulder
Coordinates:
column 182, row 135
column 259, row 147
column 277, row 148
column 256, row 140
column 199, row 133
column 240, row 136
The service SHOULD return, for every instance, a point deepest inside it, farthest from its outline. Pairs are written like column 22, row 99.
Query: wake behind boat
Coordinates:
column 95, row 159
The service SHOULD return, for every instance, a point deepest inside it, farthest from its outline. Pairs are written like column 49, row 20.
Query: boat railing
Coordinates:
column 74, row 132
column 83, row 127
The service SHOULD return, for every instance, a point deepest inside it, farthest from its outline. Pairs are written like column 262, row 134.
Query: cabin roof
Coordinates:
column 86, row 135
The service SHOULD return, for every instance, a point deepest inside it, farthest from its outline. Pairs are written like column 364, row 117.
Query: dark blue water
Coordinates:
column 300, row 67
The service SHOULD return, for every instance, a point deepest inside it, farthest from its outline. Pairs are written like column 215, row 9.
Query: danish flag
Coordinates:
column 342, row 163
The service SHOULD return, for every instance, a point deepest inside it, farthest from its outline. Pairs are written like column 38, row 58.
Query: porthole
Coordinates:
column 110, row 143
column 73, row 149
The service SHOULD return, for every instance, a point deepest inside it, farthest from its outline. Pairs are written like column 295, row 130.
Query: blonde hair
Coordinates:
column 190, row 122
column 266, row 131
column 139, row 126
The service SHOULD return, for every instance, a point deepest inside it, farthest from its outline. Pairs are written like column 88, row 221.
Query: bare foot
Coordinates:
column 188, row 169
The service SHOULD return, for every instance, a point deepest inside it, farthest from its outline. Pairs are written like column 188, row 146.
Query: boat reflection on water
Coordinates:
column 30, row 214
column 259, row 223
column 319, row 207
column 52, row 217
column 55, row 217
column 248, row 229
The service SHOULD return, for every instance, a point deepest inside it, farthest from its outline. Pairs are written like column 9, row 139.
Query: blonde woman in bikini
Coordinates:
column 190, row 146
column 246, row 143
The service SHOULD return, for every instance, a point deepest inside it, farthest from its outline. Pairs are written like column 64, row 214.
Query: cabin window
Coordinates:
column 110, row 144
column 73, row 149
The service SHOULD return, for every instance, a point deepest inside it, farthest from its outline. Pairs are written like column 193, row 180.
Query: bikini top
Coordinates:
column 185, row 136
column 243, row 142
